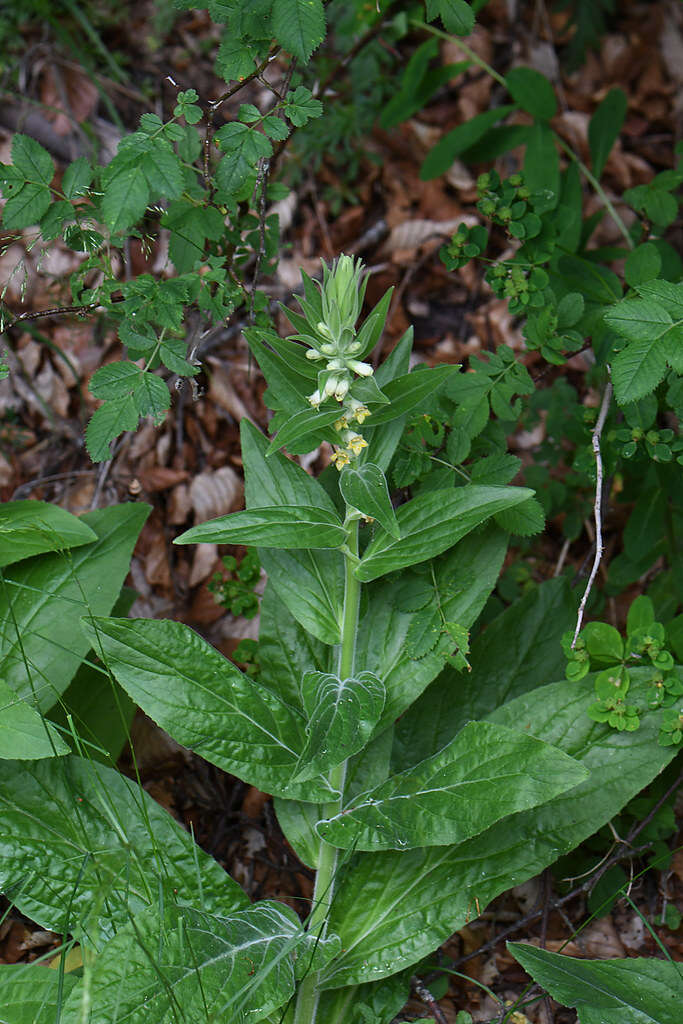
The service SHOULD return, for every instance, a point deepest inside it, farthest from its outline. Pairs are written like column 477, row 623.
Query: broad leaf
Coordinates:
column 282, row 526
column 638, row 990
column 286, row 650
column 238, row 968
column 32, row 527
column 31, row 994
column 83, row 847
column 203, row 701
column 486, row 773
column 342, row 714
column 409, row 391
column 518, row 651
column 434, row 522
column 396, row 907
column 43, row 599
column 382, row 441
column 365, row 488
column 24, row 734
column 299, row 26
column 464, row 579
column 380, row 1002
column 34, row 162
column 310, row 583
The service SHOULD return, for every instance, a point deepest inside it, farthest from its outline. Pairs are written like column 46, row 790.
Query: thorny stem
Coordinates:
column 307, row 999
column 595, row 442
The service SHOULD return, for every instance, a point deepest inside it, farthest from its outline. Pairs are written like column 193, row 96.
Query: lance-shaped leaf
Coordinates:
column 640, row 991
column 408, row 391
column 342, row 714
column 204, row 702
column 284, row 526
column 433, row 522
column 372, row 328
column 485, row 773
column 83, row 847
column 301, row 428
column 396, row 907
column 310, row 583
column 32, row 527
column 191, row 965
column 43, row 599
column 24, row 734
column 366, row 489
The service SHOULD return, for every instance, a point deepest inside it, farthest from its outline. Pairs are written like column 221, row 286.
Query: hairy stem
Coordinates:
column 307, row 999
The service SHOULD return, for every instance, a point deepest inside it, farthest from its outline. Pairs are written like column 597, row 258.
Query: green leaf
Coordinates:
column 84, row 847
column 484, row 774
column 604, row 128
column 542, row 163
column 31, row 994
column 365, row 488
column 115, row 380
column 244, row 147
column 604, row 643
column 434, row 522
column 285, row 650
column 77, row 178
column 24, row 734
column 151, row 397
column 299, row 26
column 373, row 325
column 235, row 59
column 342, row 715
column 126, row 194
column 300, row 432
column 464, row 577
column 283, row 526
column 238, row 724
column 409, row 391
column 396, row 907
column 642, row 264
column 519, row 650
column 300, row 106
column 34, row 162
column 638, row 990
column 310, row 583
column 43, row 599
column 238, row 968
column 25, row 207
column 532, row 92
column 457, row 15
column 190, row 226
column 33, row 527
column 525, row 520
column 107, row 422
column 637, row 370
column 441, row 156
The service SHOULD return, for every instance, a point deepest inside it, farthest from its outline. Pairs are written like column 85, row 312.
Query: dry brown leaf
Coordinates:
column 215, row 493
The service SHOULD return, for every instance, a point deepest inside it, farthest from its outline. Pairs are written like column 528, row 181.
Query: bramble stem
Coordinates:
column 308, row 996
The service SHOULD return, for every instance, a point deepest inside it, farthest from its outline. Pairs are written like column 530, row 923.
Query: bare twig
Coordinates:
column 423, row 993
column 595, row 442
column 37, row 314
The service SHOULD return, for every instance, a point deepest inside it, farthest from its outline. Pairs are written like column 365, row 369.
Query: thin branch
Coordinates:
column 595, row 442
column 425, row 996
column 37, row 314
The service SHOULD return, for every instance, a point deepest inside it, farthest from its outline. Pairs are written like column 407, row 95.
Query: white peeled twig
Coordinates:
column 595, row 442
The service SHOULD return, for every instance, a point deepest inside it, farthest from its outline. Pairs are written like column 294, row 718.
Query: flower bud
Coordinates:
column 341, row 391
column 362, row 369
column 315, row 399
column 312, row 353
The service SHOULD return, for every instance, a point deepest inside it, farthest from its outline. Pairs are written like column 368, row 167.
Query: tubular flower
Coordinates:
column 340, row 458
column 355, row 444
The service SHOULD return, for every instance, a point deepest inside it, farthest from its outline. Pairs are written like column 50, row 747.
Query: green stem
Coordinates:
column 307, row 999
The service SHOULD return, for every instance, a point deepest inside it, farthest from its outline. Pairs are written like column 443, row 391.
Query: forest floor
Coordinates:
column 189, row 469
